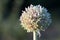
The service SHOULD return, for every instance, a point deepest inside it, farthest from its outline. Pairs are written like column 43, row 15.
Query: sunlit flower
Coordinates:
column 34, row 18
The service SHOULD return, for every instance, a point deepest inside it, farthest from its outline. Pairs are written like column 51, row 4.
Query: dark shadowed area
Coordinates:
column 10, row 12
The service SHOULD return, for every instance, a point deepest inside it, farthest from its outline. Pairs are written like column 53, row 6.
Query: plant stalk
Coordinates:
column 34, row 35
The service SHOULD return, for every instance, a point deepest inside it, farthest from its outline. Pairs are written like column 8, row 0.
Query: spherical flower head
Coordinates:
column 34, row 18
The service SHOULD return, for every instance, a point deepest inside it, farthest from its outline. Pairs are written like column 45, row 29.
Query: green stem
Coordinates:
column 34, row 35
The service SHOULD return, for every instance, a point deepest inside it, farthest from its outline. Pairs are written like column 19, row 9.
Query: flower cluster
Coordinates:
column 34, row 18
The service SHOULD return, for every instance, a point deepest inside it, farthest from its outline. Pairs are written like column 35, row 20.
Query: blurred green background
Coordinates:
column 10, row 11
